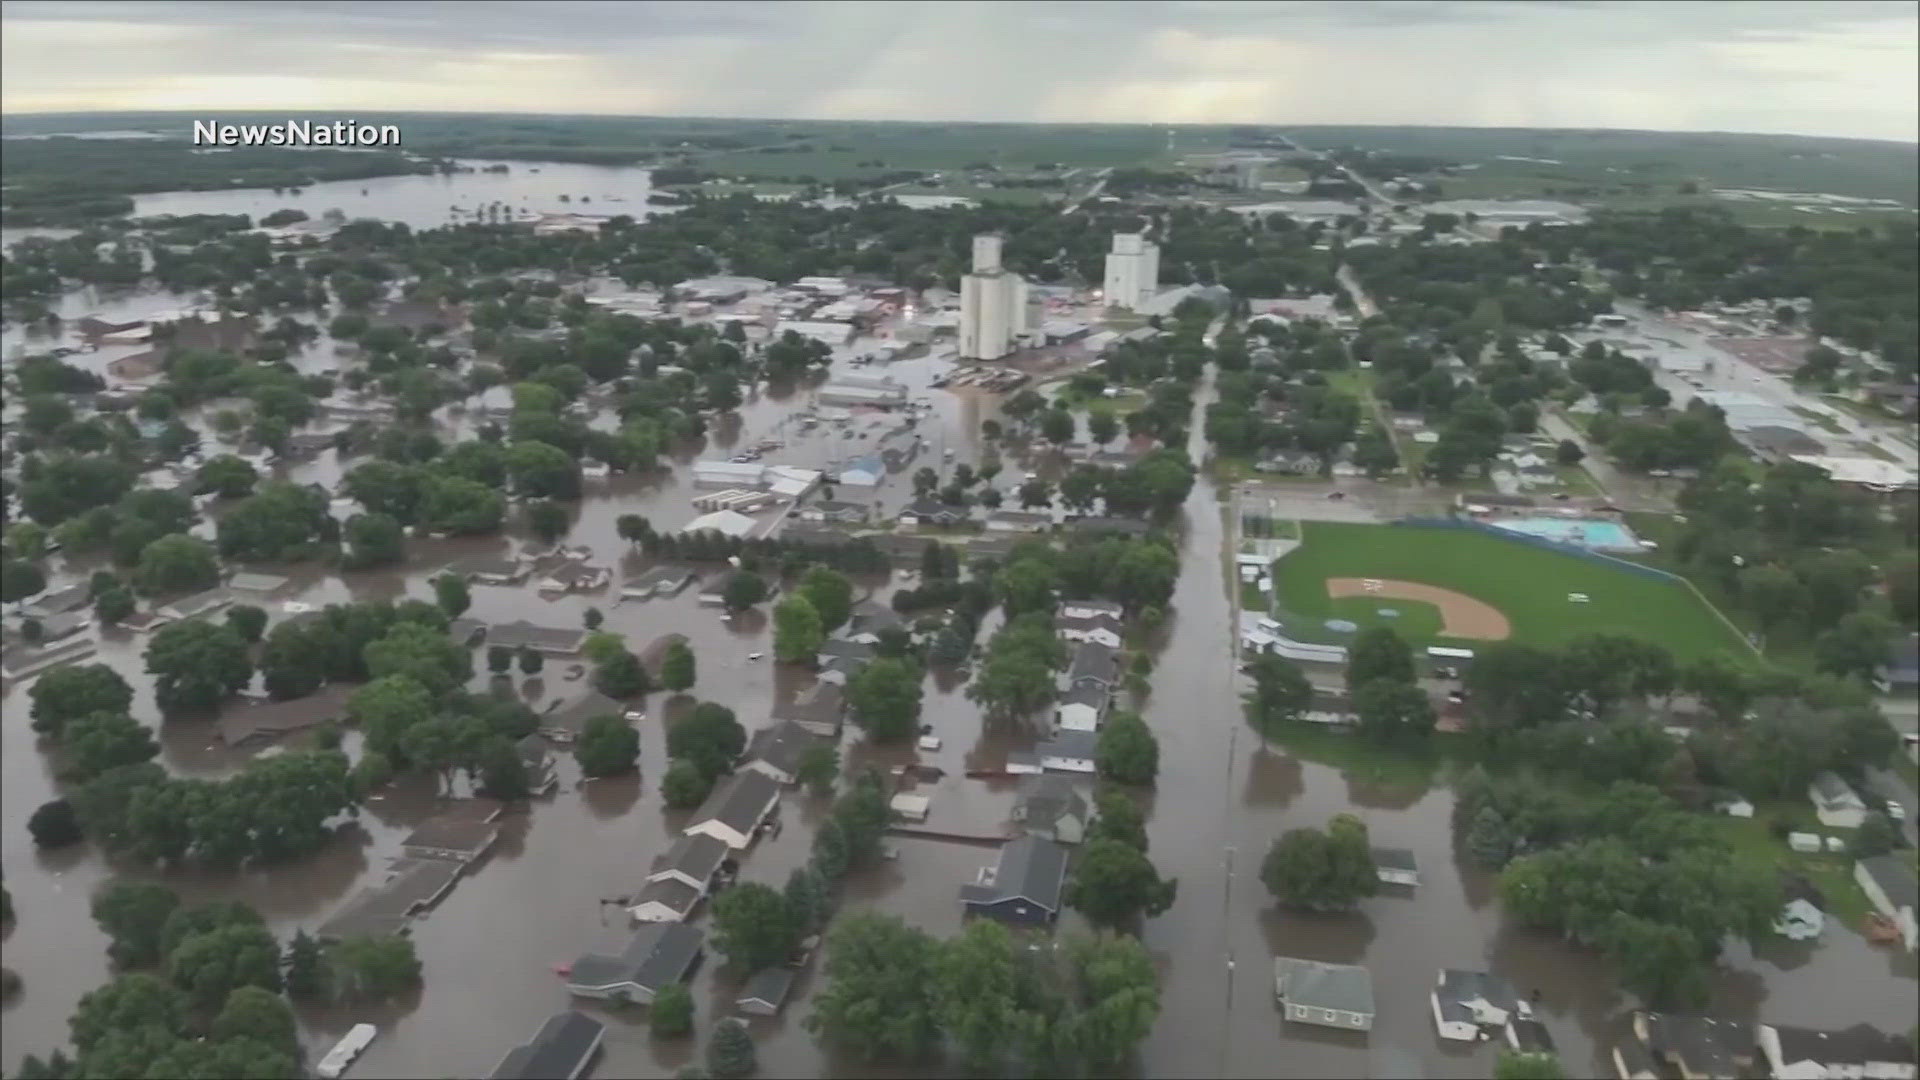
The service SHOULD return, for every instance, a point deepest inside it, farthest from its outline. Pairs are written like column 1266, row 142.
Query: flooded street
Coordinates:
column 489, row 948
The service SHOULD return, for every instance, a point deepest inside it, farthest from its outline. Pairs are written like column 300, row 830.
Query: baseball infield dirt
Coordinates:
column 1461, row 616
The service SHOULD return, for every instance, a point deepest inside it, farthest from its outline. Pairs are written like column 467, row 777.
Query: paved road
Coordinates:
column 1098, row 186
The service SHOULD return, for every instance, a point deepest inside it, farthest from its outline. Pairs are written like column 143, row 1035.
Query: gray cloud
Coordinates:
column 1788, row 66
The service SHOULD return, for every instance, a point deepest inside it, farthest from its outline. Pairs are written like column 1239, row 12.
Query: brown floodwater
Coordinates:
column 489, row 947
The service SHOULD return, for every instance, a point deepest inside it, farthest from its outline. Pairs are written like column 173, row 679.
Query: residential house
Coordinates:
column 820, row 709
column 659, row 955
column 256, row 583
column 1098, row 526
column 538, row 761
column 659, row 581
column 678, row 879
column 575, row 577
column 192, row 607
column 1527, row 1035
column 57, row 602
column 564, row 722
column 550, row 640
column 1068, row 751
column 840, row 648
column 1696, row 1047
column 1889, row 883
column 1024, row 887
column 1018, row 521
column 1082, row 707
column 1094, row 663
column 1901, row 672
column 265, row 721
column 736, row 808
column 990, row 547
column 767, row 990
column 1334, row 995
column 1396, row 866
column 64, row 625
column 1289, row 463
column 1102, row 629
column 1471, row 1005
column 1091, row 609
column 868, row 620
column 1860, row 1052
column 487, row 571
column 776, row 751
column 1050, row 807
column 714, row 592
column 451, row 838
column 928, row 512
column 834, row 511
column 562, row 1049
column 1836, row 804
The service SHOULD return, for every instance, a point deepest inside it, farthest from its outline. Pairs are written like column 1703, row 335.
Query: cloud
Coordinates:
column 1806, row 67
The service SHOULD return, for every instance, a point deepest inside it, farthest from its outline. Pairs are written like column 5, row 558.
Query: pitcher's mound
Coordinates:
column 1461, row 616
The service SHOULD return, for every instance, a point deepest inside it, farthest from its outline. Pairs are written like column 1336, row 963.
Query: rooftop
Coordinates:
column 1031, row 868
column 559, row 1049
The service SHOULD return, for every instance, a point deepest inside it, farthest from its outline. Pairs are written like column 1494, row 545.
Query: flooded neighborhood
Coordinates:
column 525, row 908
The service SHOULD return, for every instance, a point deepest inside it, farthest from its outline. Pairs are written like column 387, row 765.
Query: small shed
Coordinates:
column 910, row 807
column 1804, row 842
column 767, row 991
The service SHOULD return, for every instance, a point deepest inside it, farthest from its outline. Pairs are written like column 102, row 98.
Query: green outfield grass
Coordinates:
column 1415, row 622
column 1528, row 584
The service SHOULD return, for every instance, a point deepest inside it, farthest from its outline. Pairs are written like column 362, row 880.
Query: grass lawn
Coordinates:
column 1416, row 621
column 1751, row 842
column 1528, row 584
column 1358, row 759
column 1825, row 421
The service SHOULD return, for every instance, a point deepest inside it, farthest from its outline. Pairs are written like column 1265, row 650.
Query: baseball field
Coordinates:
column 1460, row 587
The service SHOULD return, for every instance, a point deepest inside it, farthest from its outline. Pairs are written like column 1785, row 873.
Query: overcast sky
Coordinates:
column 1814, row 68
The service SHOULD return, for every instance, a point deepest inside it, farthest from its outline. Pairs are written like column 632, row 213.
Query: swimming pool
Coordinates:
column 1594, row 533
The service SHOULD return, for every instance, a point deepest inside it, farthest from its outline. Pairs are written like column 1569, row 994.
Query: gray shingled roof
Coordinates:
column 739, row 801
column 1031, row 868
column 1312, row 984
column 780, row 745
column 1457, row 987
column 658, row 955
column 696, row 856
column 559, row 1048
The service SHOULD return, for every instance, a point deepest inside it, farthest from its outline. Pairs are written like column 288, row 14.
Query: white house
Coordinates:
column 1890, row 884
column 1800, row 920
column 1860, row 1052
column 1396, row 866
column 1334, row 995
column 1105, row 629
column 1471, row 1005
column 678, row 879
column 1068, row 751
column 1837, row 805
column 736, row 808
column 1082, row 707
column 575, row 577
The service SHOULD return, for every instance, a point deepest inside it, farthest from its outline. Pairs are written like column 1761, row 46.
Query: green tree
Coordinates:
column 499, row 659
column 743, row 590
column 1521, row 1065
column 819, row 766
column 1281, row 693
column 754, row 926
column 196, row 665
column 861, row 816
column 547, row 520
column 450, row 591
column 248, row 621
column 94, row 744
column 133, row 915
column 1102, row 426
column 371, row 969
column 227, row 476
column 831, row 595
column 879, row 994
column 1394, row 713
column 1127, row 750
column 176, row 564
column 20, row 579
column 709, row 737
column 422, row 653
column 259, row 1015
column 502, row 772
column 608, row 746
column 55, row 824
column 621, row 676
column 671, row 1014
column 1113, row 883
column 797, row 632
column 68, row 693
column 1327, row 871
column 1118, row 818
column 113, row 606
column 211, row 965
column 677, row 671
column 1876, row 835
column 374, row 540
column 977, row 993
column 633, row 528
column 531, row 661
column 884, row 698
column 306, row 968
column 730, row 1053
column 128, row 1003
column 685, row 786
column 1378, row 653
column 387, row 708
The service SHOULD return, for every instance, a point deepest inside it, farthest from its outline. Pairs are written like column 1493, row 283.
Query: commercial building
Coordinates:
column 993, row 304
column 1133, row 271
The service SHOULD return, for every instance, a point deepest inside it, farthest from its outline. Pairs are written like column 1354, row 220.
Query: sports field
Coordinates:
column 1529, row 585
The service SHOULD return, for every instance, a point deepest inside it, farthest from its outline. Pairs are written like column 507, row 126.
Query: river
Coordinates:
column 489, row 947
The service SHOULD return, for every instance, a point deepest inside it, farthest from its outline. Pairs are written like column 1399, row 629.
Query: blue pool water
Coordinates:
column 1586, row 532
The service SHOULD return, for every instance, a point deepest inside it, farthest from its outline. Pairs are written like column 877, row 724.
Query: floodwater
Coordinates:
column 489, row 947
